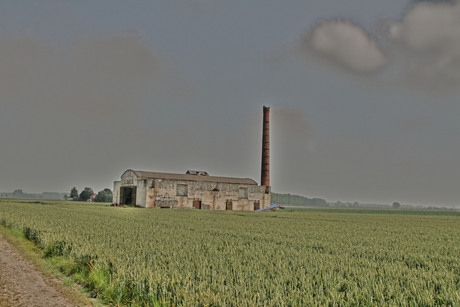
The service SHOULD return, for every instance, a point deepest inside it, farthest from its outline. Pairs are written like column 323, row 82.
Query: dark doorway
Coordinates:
column 197, row 204
column 256, row 205
column 128, row 196
column 229, row 205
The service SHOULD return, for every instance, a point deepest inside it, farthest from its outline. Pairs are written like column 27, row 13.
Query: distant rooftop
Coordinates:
column 198, row 173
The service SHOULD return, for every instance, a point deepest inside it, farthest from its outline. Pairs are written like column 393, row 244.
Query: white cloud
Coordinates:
column 430, row 27
column 429, row 35
column 424, row 46
column 346, row 45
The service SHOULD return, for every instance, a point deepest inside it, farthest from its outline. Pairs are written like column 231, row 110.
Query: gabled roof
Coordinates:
column 187, row 177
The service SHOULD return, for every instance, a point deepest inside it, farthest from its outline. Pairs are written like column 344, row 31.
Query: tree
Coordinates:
column 396, row 205
column 74, row 193
column 104, row 196
column 86, row 194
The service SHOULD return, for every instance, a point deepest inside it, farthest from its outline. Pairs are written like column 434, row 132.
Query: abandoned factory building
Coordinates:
column 196, row 189
column 193, row 190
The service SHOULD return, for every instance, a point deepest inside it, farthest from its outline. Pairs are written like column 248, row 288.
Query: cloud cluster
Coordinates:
column 427, row 38
column 430, row 35
column 347, row 45
column 429, row 27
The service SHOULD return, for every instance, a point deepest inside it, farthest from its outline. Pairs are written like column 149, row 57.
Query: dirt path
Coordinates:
column 22, row 285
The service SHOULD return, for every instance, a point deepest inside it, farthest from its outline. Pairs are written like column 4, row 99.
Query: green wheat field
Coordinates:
column 133, row 256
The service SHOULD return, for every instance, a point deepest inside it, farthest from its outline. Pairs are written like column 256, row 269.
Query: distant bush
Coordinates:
column 104, row 196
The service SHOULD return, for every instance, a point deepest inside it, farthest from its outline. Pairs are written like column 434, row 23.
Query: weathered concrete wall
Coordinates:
column 150, row 194
column 167, row 203
column 141, row 193
column 266, row 198
column 172, row 193
column 212, row 195
column 116, row 192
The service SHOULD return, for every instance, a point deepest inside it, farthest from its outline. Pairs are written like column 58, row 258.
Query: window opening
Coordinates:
column 182, row 190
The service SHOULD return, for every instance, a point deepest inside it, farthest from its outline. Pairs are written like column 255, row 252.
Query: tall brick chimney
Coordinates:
column 265, row 170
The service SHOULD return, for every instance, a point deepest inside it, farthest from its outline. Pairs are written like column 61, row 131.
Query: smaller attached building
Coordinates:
column 193, row 190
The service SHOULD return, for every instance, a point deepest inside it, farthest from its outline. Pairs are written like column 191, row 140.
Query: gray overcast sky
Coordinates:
column 364, row 94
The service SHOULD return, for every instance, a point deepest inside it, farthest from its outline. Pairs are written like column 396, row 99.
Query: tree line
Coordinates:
column 288, row 199
column 87, row 194
column 297, row 200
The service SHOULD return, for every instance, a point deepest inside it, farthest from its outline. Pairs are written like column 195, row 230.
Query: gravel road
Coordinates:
column 21, row 284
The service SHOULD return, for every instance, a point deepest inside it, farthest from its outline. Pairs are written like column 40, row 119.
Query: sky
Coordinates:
column 364, row 94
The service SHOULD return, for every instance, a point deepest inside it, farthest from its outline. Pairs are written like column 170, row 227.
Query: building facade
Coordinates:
column 193, row 190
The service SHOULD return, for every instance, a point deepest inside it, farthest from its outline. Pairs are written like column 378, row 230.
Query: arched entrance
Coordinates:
column 128, row 195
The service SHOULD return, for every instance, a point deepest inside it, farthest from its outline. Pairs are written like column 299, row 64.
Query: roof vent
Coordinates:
column 197, row 173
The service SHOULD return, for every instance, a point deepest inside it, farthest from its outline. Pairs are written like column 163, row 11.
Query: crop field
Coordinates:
column 133, row 256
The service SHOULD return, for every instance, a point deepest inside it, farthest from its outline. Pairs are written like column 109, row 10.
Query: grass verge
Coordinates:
column 57, row 267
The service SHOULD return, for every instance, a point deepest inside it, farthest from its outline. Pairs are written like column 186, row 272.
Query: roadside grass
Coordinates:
column 82, row 282
column 56, row 267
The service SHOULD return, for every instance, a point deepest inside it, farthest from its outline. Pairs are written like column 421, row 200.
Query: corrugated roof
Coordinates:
column 186, row 177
